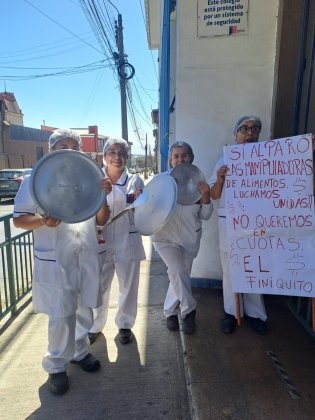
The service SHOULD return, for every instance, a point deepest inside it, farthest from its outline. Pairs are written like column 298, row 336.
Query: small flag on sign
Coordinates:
column 232, row 30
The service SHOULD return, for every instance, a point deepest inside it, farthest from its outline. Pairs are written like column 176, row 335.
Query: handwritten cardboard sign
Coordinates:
column 270, row 216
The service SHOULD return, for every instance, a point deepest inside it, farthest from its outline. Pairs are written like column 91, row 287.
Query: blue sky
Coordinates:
column 42, row 37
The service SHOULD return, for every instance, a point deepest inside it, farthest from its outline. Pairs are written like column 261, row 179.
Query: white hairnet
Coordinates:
column 241, row 121
column 114, row 140
column 186, row 146
column 61, row 134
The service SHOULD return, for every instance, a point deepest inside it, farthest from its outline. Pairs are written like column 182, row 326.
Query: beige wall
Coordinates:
column 218, row 79
column 18, row 153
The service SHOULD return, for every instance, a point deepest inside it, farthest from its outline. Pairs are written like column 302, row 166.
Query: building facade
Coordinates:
column 221, row 59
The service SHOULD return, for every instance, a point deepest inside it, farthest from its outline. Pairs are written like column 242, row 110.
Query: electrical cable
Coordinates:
column 59, row 24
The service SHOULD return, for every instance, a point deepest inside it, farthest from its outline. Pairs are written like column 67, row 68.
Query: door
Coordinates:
column 306, row 120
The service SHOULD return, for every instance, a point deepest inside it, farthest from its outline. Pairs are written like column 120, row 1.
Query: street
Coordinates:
column 6, row 206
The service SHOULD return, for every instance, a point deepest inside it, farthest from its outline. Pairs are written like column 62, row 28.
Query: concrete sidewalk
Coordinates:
column 246, row 375
column 166, row 375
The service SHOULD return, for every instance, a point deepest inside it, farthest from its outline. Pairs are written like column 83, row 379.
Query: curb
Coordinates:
column 194, row 415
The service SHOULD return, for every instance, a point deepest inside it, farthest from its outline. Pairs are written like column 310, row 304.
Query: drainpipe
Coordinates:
column 164, row 99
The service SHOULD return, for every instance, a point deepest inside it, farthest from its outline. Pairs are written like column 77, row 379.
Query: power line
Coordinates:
column 93, row 14
column 97, row 82
column 60, row 52
column 59, row 24
column 67, row 72
column 42, row 47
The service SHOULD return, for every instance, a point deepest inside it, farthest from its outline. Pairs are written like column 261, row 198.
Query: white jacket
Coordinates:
column 184, row 227
column 66, row 262
column 121, row 236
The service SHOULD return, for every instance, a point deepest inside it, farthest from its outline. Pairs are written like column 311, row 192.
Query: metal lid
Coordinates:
column 153, row 214
column 66, row 185
column 187, row 177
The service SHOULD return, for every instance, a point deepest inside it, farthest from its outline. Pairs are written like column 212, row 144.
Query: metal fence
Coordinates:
column 16, row 267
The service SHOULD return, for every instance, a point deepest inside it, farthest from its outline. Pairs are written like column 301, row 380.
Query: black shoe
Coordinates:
column 228, row 324
column 88, row 363
column 124, row 335
column 93, row 337
column 172, row 323
column 58, row 383
column 257, row 324
column 189, row 324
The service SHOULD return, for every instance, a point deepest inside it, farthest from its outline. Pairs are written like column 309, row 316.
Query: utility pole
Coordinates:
column 146, row 157
column 122, row 80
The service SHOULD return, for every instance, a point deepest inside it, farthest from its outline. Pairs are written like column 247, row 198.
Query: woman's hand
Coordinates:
column 50, row 221
column 205, row 192
column 138, row 192
column 221, row 174
column 216, row 189
column 106, row 185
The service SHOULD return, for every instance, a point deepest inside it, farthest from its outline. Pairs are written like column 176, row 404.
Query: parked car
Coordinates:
column 10, row 181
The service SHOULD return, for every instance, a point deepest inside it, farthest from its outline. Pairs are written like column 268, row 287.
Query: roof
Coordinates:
column 152, row 17
column 10, row 102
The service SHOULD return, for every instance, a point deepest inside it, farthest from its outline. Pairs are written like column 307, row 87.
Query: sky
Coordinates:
column 42, row 38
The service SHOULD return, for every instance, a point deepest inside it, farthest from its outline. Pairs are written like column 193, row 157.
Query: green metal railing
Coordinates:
column 16, row 253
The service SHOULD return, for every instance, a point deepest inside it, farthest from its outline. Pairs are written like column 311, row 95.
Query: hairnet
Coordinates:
column 62, row 134
column 114, row 140
column 241, row 121
column 182, row 144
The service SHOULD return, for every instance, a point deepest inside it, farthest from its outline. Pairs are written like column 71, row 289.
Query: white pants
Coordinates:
column 251, row 304
column 128, row 278
column 179, row 292
column 67, row 340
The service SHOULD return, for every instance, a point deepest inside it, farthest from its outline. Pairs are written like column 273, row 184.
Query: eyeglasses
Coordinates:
column 244, row 129
column 113, row 153
column 183, row 156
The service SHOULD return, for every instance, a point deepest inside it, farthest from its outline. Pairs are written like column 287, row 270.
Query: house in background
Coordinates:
column 12, row 113
column 92, row 141
column 22, row 147
column 222, row 59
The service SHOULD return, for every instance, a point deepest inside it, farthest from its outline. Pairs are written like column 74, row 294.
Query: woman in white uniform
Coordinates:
column 66, row 282
column 124, row 249
column 246, row 130
column 178, row 244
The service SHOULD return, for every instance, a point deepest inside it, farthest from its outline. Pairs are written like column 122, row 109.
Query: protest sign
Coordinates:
column 270, row 216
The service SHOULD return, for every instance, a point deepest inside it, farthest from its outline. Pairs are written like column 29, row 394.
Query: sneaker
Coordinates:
column 228, row 324
column 189, row 324
column 172, row 323
column 89, row 363
column 257, row 324
column 58, row 383
column 93, row 336
column 124, row 335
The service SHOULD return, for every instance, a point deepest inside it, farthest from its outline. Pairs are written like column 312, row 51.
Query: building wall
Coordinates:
column 22, row 151
column 13, row 118
column 217, row 80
